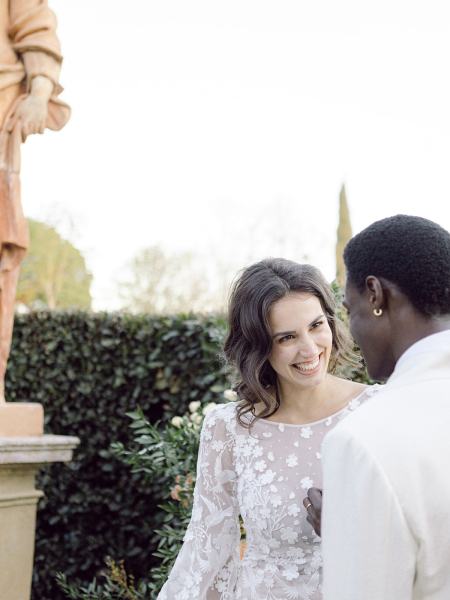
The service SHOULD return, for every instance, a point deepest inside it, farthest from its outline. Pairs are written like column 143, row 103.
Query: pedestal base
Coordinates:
column 20, row 459
column 21, row 419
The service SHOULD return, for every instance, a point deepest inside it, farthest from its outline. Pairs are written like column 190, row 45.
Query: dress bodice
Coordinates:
column 261, row 473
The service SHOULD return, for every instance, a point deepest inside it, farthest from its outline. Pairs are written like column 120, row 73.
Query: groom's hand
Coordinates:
column 313, row 505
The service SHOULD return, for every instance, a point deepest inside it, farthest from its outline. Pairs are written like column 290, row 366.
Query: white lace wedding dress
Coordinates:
column 263, row 475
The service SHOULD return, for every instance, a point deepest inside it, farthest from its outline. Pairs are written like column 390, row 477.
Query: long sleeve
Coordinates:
column 33, row 34
column 368, row 549
column 212, row 537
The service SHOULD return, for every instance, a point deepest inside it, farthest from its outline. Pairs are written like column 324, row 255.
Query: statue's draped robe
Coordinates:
column 28, row 48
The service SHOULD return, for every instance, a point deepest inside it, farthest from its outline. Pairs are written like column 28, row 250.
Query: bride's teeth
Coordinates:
column 308, row 366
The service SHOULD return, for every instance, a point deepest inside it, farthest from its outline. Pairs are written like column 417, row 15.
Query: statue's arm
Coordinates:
column 33, row 33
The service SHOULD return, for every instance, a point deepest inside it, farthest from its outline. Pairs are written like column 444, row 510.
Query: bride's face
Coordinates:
column 301, row 340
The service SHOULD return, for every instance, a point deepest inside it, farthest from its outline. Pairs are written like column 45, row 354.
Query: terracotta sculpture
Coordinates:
column 30, row 63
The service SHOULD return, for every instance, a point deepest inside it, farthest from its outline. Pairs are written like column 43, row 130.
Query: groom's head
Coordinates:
column 398, row 287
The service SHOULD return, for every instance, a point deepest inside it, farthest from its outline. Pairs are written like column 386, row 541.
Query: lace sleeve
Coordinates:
column 212, row 538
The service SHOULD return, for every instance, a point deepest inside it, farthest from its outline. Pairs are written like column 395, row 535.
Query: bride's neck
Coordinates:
column 304, row 404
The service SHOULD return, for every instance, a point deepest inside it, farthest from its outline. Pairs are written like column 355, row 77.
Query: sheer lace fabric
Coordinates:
column 261, row 474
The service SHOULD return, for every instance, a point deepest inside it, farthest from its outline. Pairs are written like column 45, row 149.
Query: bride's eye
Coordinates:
column 286, row 338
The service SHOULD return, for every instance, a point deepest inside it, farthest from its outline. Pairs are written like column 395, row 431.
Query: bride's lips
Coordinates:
column 310, row 367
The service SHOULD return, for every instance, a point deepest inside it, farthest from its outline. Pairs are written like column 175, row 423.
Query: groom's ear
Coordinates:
column 376, row 293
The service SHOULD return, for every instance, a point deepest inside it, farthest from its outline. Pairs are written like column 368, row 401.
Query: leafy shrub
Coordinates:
column 118, row 586
column 88, row 371
column 166, row 455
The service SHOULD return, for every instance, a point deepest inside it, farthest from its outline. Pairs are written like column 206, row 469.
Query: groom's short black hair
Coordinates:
column 412, row 252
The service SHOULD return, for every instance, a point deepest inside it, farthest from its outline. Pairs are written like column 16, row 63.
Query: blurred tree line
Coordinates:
column 155, row 281
column 54, row 273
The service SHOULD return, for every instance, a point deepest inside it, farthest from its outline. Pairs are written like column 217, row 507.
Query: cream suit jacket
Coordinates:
column 386, row 511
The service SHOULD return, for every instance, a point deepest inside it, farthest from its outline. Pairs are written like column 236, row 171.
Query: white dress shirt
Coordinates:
column 386, row 469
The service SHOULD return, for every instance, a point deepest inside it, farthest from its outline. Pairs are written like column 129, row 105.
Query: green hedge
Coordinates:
column 88, row 371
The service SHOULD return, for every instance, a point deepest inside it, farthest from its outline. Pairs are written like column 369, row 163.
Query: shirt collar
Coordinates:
column 425, row 345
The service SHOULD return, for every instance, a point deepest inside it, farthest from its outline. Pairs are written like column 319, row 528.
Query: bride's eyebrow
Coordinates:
column 322, row 316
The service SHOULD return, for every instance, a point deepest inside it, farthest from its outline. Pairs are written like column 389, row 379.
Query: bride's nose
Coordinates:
column 307, row 349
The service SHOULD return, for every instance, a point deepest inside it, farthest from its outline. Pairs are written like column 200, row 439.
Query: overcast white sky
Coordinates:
column 194, row 119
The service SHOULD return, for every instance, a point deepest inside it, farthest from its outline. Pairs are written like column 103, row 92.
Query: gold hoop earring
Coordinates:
column 378, row 312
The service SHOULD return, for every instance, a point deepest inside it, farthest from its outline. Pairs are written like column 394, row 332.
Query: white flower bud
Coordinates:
column 177, row 421
column 230, row 395
column 194, row 406
column 196, row 419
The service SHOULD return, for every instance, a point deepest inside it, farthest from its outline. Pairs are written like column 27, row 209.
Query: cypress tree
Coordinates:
column 344, row 234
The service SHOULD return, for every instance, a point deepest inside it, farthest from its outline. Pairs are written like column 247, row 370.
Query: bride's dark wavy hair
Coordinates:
column 249, row 341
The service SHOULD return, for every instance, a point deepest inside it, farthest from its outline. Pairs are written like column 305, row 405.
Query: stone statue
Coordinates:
column 30, row 62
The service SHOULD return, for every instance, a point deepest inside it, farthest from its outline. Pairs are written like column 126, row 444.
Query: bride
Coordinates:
column 259, row 455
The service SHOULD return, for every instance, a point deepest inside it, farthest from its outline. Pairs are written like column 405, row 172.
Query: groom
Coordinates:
column 386, row 512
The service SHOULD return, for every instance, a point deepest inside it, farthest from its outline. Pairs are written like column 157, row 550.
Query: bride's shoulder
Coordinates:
column 365, row 394
column 345, row 389
column 357, row 393
column 220, row 412
column 220, row 421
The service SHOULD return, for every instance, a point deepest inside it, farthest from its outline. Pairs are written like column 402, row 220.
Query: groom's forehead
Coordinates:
column 347, row 294
column 350, row 295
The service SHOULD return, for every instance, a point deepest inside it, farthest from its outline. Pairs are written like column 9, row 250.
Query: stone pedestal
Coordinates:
column 20, row 459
